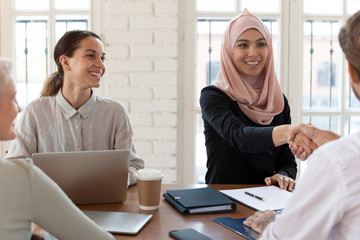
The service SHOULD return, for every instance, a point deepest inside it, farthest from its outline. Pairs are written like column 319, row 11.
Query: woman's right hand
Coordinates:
column 302, row 146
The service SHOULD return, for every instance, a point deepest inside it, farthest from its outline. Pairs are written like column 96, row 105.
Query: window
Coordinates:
column 29, row 37
column 35, row 39
column 38, row 24
column 327, row 99
column 311, row 71
column 324, row 103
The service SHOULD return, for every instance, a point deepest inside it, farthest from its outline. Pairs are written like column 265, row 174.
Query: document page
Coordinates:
column 260, row 198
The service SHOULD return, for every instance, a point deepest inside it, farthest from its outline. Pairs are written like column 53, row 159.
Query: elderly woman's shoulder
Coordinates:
column 10, row 166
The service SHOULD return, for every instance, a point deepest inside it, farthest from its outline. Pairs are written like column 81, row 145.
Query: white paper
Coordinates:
column 275, row 198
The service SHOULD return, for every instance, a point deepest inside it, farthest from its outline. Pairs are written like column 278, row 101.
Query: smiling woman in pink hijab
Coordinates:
column 246, row 116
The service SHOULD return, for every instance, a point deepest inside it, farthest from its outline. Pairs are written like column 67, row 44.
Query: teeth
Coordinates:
column 252, row 63
column 95, row 74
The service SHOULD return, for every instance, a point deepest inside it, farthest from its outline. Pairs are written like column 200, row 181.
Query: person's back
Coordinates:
column 347, row 165
column 15, row 207
column 342, row 157
column 28, row 195
column 326, row 203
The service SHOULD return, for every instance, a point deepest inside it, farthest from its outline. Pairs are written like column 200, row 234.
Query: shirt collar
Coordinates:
column 68, row 111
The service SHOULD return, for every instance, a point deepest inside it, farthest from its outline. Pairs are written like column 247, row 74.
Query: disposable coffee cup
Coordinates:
column 149, row 187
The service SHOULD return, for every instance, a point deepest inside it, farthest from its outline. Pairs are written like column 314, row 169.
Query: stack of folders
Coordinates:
column 199, row 200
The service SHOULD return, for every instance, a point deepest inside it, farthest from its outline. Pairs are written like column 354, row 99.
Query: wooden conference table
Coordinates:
column 167, row 218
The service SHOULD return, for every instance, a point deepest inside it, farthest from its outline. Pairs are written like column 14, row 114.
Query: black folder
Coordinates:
column 199, row 201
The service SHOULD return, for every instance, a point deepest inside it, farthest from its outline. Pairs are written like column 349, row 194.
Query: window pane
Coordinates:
column 261, row 5
column 71, row 4
column 353, row 6
column 321, row 65
column 352, row 124
column 31, row 5
column 323, row 6
column 216, row 6
column 31, row 57
column 68, row 22
column 273, row 26
column 324, row 122
column 209, row 38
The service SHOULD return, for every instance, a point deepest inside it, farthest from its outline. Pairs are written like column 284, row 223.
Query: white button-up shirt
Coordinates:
column 326, row 201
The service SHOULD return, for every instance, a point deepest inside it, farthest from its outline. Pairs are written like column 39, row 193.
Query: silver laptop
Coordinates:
column 119, row 222
column 88, row 177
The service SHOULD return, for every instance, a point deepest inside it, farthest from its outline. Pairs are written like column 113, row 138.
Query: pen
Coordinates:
column 255, row 196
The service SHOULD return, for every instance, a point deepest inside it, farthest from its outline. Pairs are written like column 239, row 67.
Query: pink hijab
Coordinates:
column 259, row 97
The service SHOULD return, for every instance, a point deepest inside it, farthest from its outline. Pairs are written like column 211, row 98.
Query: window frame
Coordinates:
column 7, row 11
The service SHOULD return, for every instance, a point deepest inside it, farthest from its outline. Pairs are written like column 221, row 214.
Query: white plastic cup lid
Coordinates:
column 149, row 174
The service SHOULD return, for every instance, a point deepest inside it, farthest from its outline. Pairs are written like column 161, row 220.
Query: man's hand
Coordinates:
column 282, row 181
column 260, row 220
column 318, row 136
column 302, row 147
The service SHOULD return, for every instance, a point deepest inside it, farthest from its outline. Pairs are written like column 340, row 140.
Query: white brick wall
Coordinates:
column 141, row 48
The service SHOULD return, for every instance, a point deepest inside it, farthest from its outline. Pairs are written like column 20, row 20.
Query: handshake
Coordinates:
column 305, row 138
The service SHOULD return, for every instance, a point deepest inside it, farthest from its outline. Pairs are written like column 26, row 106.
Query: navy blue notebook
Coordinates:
column 199, row 201
column 237, row 225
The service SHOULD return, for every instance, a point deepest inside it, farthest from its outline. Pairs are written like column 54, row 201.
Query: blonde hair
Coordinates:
column 5, row 73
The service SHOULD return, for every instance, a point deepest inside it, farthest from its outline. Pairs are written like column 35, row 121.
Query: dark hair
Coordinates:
column 66, row 46
column 349, row 39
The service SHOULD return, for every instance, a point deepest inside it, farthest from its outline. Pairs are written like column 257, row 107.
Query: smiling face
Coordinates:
column 86, row 67
column 9, row 109
column 250, row 53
